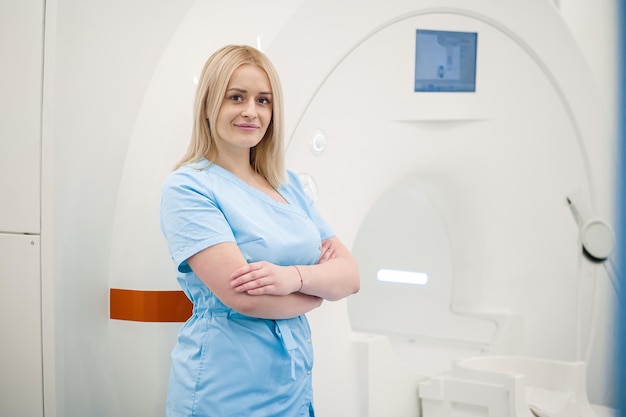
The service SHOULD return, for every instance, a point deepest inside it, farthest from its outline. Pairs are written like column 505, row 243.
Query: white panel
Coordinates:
column 21, row 390
column 21, row 49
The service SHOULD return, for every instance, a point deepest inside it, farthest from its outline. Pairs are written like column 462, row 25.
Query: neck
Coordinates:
column 240, row 166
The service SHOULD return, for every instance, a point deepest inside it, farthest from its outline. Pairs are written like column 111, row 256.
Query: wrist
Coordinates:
column 300, row 277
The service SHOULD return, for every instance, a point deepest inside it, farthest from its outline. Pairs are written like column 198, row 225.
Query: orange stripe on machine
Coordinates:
column 149, row 306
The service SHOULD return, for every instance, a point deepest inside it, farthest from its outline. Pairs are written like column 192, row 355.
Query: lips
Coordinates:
column 247, row 126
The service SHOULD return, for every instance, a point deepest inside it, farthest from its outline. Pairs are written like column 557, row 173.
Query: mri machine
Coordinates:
column 465, row 191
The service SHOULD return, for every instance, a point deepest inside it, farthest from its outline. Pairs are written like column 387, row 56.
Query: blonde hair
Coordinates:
column 266, row 158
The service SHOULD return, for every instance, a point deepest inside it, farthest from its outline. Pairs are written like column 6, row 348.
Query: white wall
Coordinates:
column 595, row 27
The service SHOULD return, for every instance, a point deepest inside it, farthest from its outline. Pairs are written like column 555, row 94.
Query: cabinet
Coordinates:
column 21, row 80
column 21, row 75
column 21, row 383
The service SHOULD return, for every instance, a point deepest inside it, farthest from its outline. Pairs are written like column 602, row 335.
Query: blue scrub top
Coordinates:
column 226, row 363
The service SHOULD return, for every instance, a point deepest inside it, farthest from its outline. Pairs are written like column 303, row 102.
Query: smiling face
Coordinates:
column 246, row 111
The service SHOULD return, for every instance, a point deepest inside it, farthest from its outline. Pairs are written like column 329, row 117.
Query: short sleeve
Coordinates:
column 191, row 221
column 308, row 205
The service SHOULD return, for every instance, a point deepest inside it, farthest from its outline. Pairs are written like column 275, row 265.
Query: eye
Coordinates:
column 264, row 100
column 236, row 97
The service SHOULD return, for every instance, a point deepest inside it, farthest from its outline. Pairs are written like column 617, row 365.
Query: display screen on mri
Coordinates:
column 445, row 61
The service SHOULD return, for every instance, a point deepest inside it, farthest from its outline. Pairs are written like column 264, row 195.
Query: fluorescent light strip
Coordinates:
column 402, row 277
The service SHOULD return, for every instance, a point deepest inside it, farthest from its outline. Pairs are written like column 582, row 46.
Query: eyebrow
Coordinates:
column 241, row 90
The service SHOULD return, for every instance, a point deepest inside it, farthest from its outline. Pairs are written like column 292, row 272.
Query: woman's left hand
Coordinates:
column 327, row 252
column 265, row 278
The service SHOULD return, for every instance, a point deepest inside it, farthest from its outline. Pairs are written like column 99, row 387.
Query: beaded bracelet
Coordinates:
column 300, row 275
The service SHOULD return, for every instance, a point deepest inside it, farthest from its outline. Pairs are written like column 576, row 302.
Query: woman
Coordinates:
column 252, row 252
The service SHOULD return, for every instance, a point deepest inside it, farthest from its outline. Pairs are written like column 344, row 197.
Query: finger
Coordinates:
column 246, row 273
column 247, row 281
column 245, row 269
column 249, row 284
column 327, row 255
column 266, row 289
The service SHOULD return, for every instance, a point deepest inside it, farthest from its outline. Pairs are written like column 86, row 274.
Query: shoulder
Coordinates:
column 300, row 191
column 198, row 176
column 292, row 179
column 293, row 183
column 303, row 184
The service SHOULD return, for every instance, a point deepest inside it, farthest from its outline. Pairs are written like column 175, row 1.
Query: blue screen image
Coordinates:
column 445, row 61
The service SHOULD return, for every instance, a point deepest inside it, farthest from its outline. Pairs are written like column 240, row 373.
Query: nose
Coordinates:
column 249, row 110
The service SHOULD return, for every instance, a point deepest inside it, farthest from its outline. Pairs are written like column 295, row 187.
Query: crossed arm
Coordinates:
column 265, row 290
